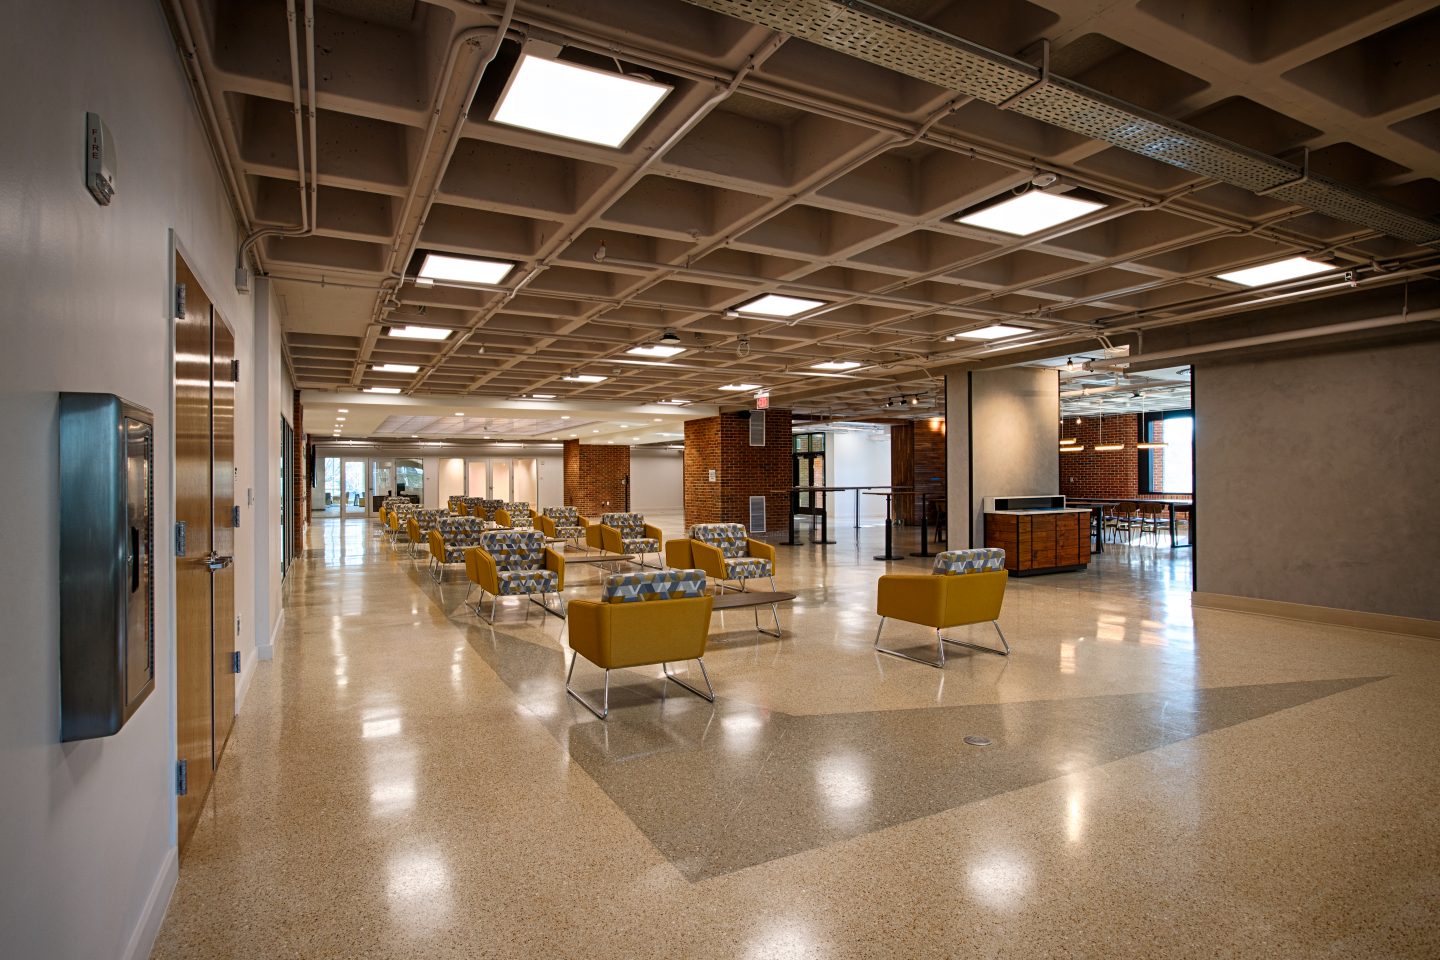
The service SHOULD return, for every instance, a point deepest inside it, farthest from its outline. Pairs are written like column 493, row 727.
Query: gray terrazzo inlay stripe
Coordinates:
column 718, row 788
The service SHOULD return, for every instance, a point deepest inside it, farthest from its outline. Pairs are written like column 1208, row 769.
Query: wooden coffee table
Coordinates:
column 756, row 599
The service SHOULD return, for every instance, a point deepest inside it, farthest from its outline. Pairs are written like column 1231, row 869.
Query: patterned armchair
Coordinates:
column 516, row 516
column 455, row 503
column 964, row 587
column 449, row 540
column 420, row 524
column 510, row 563
column 625, row 533
column 641, row 619
column 399, row 517
column 725, row 551
column 562, row 523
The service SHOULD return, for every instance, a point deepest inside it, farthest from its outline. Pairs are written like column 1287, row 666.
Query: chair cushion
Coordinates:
column 630, row 525
column 459, row 534
column 513, row 582
column 980, row 560
column 515, row 550
column 569, row 533
column 653, row 585
column 642, row 545
column 563, row 516
column 747, row 568
column 729, row 538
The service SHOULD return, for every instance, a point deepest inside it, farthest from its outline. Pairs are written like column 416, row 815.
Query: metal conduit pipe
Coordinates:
column 297, row 110
column 1287, row 336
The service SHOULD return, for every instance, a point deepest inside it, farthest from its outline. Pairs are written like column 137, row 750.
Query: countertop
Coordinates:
column 1038, row 510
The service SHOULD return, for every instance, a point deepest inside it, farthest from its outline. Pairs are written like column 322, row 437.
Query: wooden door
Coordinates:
column 222, row 530
column 194, row 664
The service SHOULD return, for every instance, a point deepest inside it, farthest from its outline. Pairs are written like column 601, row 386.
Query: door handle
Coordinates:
column 215, row 561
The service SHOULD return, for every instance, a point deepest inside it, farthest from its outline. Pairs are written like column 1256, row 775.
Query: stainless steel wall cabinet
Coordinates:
column 107, row 596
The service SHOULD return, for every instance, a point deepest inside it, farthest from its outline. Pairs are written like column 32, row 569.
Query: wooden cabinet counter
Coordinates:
column 1040, row 541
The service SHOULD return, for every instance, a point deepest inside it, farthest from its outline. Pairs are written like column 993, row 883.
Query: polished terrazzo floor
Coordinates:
column 407, row 781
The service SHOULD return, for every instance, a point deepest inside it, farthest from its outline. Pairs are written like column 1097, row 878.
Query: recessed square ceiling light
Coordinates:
column 382, row 389
column 836, row 365
column 655, row 350
column 677, row 403
column 343, row 410
column 736, row 387
column 1031, row 212
column 993, row 332
column 1275, row 272
column 579, row 103
column 585, row 378
column 440, row 266
column 775, row 305
column 419, row 332
column 542, row 396
column 396, row 367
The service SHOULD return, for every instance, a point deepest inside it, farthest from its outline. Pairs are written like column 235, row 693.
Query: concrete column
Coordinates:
column 1002, row 439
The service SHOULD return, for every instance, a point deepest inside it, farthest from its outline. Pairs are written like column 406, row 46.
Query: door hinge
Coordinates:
column 235, row 515
column 179, row 301
column 182, row 783
column 235, row 370
column 235, row 660
column 180, row 538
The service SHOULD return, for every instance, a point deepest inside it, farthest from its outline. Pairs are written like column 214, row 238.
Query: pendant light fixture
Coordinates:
column 1102, row 446
column 1147, row 444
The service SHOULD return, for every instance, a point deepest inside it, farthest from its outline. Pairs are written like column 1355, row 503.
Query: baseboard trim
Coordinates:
column 1310, row 613
column 266, row 650
column 142, row 938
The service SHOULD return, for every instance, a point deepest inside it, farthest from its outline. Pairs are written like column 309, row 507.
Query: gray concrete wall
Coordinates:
column 1003, row 438
column 1316, row 478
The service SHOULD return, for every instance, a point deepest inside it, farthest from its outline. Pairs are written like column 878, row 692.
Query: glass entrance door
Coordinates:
column 353, row 501
column 503, row 478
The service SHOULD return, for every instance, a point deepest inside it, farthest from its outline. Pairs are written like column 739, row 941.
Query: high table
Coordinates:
column 924, row 550
column 889, row 553
column 795, row 492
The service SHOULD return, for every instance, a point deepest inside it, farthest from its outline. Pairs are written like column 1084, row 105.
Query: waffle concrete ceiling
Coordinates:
column 777, row 164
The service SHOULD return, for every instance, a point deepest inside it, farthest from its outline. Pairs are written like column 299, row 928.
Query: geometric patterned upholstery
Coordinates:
column 488, row 507
column 515, row 550
column 519, row 514
column 728, row 538
column 653, row 585
column 567, row 522
column 426, row 520
column 980, row 560
column 631, row 526
column 458, row 534
column 455, row 502
column 747, row 568
column 517, row 582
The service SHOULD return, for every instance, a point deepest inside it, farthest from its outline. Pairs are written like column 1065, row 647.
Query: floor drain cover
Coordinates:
column 978, row 741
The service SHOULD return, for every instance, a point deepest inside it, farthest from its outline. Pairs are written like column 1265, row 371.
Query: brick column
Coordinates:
column 597, row 477
column 722, row 444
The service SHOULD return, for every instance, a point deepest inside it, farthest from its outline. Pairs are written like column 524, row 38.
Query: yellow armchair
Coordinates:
column 965, row 587
column 510, row 563
column 625, row 533
column 642, row 619
column 726, row 552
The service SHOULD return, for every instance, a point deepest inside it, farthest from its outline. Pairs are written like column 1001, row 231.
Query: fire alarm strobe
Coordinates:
column 99, row 159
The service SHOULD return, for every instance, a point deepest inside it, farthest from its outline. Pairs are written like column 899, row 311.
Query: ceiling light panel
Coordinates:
column 993, row 332
column 776, row 305
column 655, row 350
column 585, row 378
column 439, row 266
column 419, row 332
column 396, row 367
column 1276, row 272
column 1029, row 213
column 836, row 365
column 737, row 387
column 575, row 102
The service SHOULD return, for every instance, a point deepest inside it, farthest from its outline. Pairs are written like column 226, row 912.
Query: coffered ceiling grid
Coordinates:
column 777, row 165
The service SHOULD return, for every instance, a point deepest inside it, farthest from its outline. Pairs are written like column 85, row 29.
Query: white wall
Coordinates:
column 87, row 829
column 657, row 480
column 552, row 481
column 855, row 459
column 451, row 480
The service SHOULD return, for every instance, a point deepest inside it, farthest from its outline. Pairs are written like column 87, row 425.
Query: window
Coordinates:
column 409, row 478
column 1169, row 469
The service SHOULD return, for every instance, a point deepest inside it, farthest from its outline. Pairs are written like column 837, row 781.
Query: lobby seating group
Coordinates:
column 449, row 540
column 563, row 523
column 625, row 533
column 508, row 563
column 964, row 587
column 515, row 516
column 726, row 551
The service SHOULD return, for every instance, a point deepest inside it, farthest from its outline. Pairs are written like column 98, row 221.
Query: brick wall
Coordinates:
column 597, row 477
column 1104, row 476
column 722, row 444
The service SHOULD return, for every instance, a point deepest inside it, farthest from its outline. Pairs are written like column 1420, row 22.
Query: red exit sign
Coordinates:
column 762, row 401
